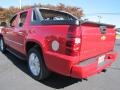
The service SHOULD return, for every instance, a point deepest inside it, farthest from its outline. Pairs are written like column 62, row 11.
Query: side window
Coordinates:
column 22, row 19
column 34, row 16
column 14, row 21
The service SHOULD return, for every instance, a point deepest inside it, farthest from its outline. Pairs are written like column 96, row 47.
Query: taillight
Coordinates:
column 73, row 41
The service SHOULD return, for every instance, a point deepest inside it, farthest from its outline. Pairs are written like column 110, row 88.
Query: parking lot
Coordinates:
column 14, row 76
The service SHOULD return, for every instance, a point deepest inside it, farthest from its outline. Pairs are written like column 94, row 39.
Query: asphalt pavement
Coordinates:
column 14, row 76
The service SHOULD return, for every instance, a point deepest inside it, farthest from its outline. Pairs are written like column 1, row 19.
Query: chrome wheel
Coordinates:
column 34, row 64
column 1, row 45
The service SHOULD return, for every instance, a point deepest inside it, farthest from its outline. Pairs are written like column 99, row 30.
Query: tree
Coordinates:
column 8, row 12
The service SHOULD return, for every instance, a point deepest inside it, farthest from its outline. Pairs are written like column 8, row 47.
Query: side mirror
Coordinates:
column 4, row 24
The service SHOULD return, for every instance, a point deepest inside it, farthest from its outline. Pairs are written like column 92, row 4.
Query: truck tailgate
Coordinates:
column 97, row 39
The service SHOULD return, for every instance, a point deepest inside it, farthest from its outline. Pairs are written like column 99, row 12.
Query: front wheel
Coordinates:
column 2, row 45
column 36, row 65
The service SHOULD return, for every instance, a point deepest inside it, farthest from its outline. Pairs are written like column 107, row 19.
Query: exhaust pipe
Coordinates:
column 104, row 70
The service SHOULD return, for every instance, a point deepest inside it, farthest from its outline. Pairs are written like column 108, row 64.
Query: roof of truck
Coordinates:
column 42, row 8
column 82, row 21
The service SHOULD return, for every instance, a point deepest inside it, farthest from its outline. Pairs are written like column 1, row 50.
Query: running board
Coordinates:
column 20, row 56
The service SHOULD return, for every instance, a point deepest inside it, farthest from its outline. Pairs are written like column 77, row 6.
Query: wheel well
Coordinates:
column 30, row 45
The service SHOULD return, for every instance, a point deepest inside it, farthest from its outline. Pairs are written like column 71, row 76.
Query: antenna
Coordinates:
column 99, row 17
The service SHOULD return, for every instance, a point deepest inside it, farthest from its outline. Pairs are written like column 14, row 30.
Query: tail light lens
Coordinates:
column 73, row 41
column 77, row 40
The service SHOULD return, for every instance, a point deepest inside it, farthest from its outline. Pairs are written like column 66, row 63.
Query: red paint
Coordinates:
column 67, row 59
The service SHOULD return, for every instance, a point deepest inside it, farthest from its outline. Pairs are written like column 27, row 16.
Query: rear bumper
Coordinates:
column 92, row 66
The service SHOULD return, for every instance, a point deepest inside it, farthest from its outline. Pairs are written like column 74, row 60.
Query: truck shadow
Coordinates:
column 54, row 81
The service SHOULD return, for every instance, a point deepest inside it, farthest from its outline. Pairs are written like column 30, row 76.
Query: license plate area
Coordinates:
column 101, row 59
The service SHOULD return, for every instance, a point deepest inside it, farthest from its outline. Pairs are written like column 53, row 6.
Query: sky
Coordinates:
column 90, row 8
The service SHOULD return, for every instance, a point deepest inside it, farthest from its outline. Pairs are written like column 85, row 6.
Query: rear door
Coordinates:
column 9, row 32
column 15, row 34
column 19, row 32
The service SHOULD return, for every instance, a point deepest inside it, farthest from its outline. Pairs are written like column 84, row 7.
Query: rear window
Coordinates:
column 55, row 15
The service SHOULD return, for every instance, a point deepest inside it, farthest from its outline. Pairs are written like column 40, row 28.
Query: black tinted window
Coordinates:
column 13, row 21
column 34, row 16
column 22, row 19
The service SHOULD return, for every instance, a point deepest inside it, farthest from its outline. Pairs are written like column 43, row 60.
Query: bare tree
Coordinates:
column 6, row 13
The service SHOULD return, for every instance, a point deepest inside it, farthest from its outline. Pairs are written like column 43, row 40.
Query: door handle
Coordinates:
column 20, row 33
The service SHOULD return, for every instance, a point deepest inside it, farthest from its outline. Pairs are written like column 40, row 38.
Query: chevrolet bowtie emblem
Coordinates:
column 103, row 37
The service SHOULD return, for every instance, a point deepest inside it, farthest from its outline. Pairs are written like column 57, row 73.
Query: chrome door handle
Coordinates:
column 20, row 33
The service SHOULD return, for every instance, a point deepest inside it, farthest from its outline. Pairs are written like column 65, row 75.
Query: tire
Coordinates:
column 36, row 65
column 2, row 45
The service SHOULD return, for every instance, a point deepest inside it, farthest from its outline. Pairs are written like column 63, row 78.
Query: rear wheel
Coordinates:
column 36, row 65
column 2, row 45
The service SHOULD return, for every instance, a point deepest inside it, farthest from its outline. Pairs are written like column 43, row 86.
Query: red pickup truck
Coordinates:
column 56, row 41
